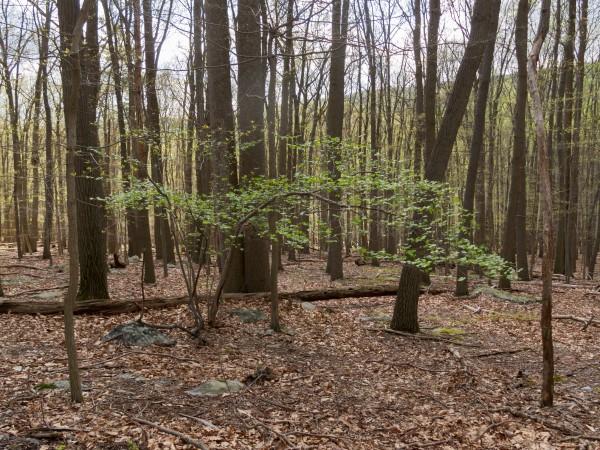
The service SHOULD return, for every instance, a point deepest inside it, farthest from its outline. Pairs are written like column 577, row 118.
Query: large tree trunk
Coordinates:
column 222, row 126
column 481, row 21
column 91, row 217
column 335, row 123
column 251, row 93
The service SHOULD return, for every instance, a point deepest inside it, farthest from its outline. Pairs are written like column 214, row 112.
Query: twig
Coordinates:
column 490, row 427
column 281, row 436
column 206, row 423
column 547, row 423
column 188, row 440
column 431, row 444
column 142, row 285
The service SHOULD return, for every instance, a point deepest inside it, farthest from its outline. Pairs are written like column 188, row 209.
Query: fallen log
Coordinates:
column 128, row 306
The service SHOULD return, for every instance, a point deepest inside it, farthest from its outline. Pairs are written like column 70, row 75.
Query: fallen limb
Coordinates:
column 128, row 306
column 425, row 337
column 503, row 295
column 35, row 291
column 501, row 352
column 184, row 437
column 586, row 322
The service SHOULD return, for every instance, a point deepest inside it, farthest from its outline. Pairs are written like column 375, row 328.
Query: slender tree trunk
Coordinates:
column 139, row 149
column 162, row 232
column 562, row 264
column 546, row 188
column 49, row 166
column 515, row 233
column 123, row 150
column 71, row 20
column 431, row 77
column 571, row 231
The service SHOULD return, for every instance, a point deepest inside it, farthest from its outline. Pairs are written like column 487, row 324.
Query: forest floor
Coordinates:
column 337, row 380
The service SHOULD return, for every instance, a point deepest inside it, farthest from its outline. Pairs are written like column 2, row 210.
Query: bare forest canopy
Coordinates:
column 160, row 153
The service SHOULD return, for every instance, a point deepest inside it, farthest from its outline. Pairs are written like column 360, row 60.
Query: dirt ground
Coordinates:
column 471, row 380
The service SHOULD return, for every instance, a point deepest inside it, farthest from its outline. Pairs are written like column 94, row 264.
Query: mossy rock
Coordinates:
column 137, row 334
column 249, row 315
column 504, row 295
column 448, row 331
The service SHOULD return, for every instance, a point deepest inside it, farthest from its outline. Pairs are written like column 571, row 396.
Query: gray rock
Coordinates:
column 249, row 315
column 586, row 389
column 216, row 387
column 48, row 295
column 307, row 306
column 134, row 259
column 138, row 335
column 377, row 316
column 60, row 384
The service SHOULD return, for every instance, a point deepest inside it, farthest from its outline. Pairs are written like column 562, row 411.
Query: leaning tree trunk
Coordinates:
column 481, row 22
column 485, row 73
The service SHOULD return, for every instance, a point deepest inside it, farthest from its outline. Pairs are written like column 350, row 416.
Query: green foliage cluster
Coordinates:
column 428, row 214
